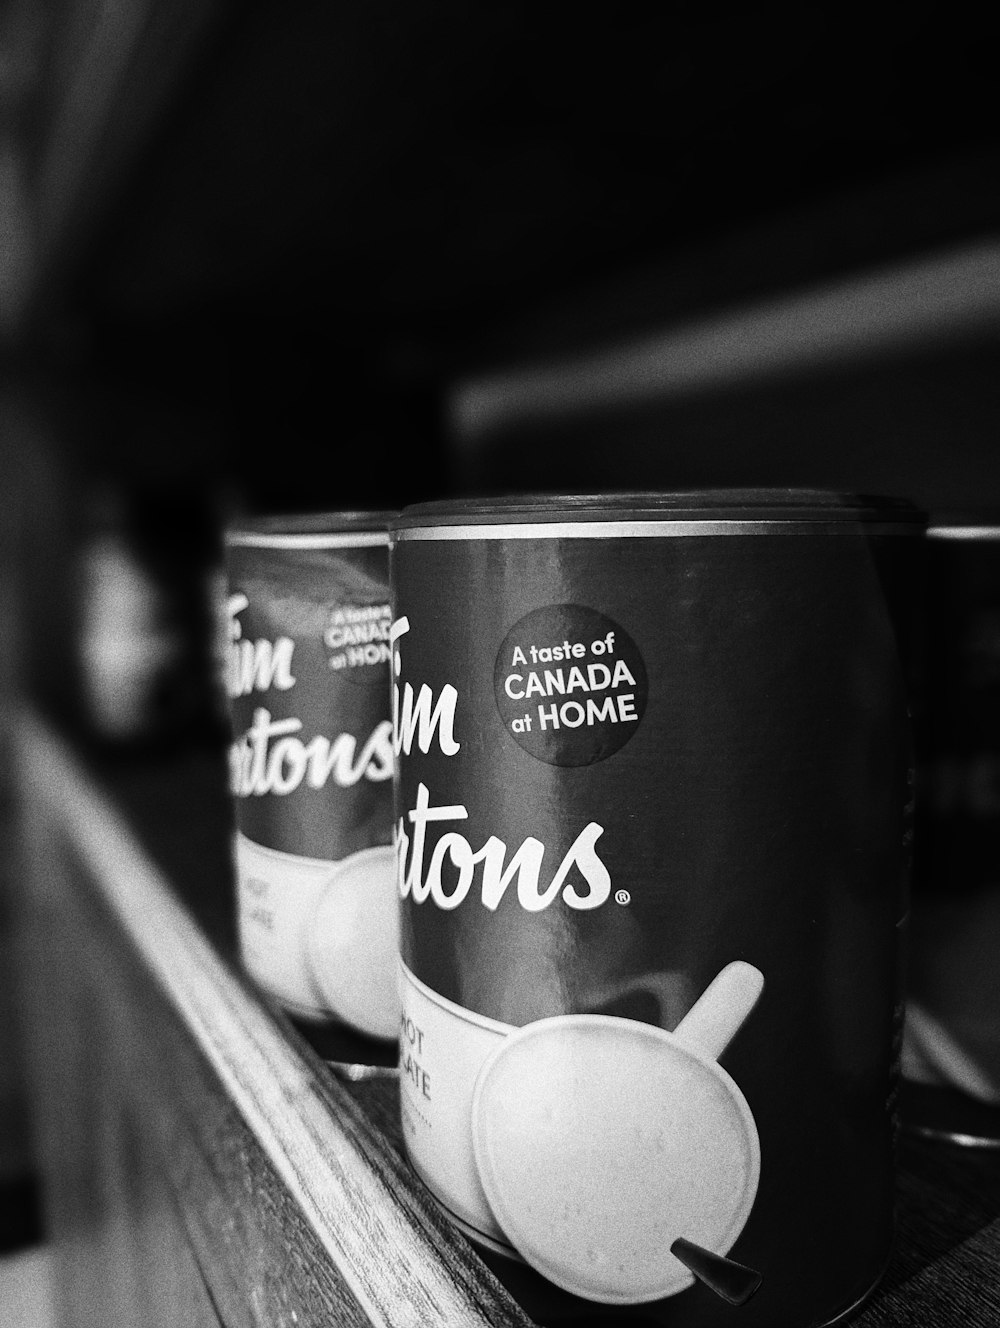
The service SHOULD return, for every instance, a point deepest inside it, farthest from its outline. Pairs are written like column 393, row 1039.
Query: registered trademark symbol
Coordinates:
column 622, row 897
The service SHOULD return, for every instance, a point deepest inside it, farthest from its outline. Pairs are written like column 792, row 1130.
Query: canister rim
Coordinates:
column 964, row 524
column 309, row 530
column 721, row 507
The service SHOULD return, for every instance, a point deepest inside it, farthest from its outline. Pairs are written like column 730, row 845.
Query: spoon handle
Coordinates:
column 733, row 1281
column 718, row 1013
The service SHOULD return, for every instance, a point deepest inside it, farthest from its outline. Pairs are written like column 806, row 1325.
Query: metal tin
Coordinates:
column 653, row 803
column 953, row 1017
column 307, row 676
column 959, row 810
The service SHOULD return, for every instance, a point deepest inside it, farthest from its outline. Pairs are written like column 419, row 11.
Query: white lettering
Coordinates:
column 626, row 708
column 271, row 758
column 572, row 714
column 597, row 679
column 497, row 872
column 547, row 717
column 410, row 879
column 605, row 711
column 255, row 665
column 420, row 715
column 622, row 674
column 340, row 635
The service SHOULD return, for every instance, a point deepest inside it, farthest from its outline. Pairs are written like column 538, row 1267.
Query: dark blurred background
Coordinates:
column 307, row 256
column 310, row 255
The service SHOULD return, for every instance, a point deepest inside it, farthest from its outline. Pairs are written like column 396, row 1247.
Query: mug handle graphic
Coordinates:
column 716, row 1016
column 720, row 1011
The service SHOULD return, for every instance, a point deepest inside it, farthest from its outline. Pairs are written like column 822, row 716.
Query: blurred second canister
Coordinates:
column 306, row 673
column 953, row 1009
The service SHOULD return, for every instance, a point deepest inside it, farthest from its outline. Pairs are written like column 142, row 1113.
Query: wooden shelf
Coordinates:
column 204, row 1166
column 195, row 1151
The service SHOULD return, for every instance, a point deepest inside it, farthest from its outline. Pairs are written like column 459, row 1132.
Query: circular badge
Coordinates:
column 570, row 685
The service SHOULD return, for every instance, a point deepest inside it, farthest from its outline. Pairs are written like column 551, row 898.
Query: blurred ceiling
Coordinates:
column 417, row 171
column 317, row 219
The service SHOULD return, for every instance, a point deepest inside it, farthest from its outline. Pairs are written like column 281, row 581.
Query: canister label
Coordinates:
column 652, row 825
column 311, row 767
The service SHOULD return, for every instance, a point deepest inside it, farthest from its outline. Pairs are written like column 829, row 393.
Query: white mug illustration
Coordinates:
column 621, row 1160
column 351, row 940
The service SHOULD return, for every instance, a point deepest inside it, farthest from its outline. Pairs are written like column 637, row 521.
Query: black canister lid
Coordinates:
column 696, row 505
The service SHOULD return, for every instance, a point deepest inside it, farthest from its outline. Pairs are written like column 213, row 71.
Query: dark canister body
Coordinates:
column 307, row 675
column 959, row 733
column 654, row 796
column 953, row 1013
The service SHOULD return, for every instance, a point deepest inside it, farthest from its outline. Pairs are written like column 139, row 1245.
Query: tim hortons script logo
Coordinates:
column 419, row 716
column 255, row 665
column 270, row 757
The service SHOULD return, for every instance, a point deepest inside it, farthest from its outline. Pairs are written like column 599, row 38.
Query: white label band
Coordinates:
column 442, row 1048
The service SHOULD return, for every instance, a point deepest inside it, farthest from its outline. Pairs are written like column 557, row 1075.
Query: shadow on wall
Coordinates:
column 921, row 425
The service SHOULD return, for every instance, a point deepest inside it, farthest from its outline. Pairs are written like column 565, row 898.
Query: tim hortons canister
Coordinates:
column 653, row 800
column 951, row 1052
column 958, row 810
column 307, row 676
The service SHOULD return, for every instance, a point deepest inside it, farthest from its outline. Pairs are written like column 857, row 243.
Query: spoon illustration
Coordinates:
column 620, row 1160
column 733, row 1281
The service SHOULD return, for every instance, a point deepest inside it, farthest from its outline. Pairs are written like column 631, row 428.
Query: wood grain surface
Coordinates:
column 204, row 1166
column 279, row 1198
